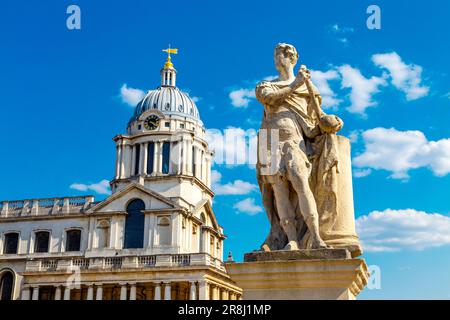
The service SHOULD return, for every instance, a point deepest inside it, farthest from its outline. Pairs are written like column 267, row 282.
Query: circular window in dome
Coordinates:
column 180, row 108
column 167, row 106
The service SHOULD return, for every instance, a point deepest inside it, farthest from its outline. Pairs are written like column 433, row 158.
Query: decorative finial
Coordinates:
column 230, row 257
column 168, row 64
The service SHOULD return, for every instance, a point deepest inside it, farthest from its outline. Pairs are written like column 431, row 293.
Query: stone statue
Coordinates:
column 298, row 164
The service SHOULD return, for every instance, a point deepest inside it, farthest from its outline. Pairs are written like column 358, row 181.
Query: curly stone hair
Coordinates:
column 288, row 49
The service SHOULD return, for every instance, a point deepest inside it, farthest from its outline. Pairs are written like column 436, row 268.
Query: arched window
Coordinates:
column 134, row 225
column 164, row 234
column 11, row 243
column 73, row 240
column 6, row 285
column 42, row 239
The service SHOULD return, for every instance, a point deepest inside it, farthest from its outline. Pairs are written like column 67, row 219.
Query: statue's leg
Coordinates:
column 286, row 213
column 297, row 174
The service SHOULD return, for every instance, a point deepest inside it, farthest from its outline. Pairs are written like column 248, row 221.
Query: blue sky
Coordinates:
column 62, row 104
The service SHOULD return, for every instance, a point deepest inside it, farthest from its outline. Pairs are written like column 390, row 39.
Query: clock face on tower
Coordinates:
column 151, row 122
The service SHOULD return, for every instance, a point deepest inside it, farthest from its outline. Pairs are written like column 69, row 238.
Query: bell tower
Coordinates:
column 165, row 149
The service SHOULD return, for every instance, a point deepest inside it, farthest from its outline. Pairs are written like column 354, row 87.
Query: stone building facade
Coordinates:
column 155, row 237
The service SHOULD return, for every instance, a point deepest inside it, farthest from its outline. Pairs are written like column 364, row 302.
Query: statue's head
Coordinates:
column 285, row 56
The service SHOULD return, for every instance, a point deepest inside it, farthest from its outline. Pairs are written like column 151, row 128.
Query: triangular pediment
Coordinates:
column 118, row 201
column 204, row 206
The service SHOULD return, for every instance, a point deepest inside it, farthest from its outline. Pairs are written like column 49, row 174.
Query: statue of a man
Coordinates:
column 292, row 121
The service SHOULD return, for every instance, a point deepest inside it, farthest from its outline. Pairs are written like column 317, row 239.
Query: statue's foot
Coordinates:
column 319, row 244
column 292, row 245
column 265, row 247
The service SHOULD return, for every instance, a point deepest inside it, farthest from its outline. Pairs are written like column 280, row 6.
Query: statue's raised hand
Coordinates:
column 302, row 75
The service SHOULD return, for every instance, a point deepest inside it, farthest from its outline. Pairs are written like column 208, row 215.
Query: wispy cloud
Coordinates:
column 341, row 32
column 405, row 77
column 361, row 173
column 247, row 206
column 236, row 187
column 394, row 230
column 131, row 96
column 400, row 151
column 101, row 187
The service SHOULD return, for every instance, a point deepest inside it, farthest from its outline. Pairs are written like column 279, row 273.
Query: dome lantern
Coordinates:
column 168, row 72
column 167, row 98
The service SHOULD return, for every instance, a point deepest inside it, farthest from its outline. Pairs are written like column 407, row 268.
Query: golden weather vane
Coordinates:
column 169, row 50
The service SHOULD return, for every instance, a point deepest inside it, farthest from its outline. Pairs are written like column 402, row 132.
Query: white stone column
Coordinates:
column 141, row 158
column 167, row 291
column 155, row 157
column 160, row 156
column 224, row 295
column 144, row 153
column 123, row 292
column 203, row 290
column 157, row 291
column 133, row 291
column 35, row 295
column 58, row 293
column 184, row 157
column 67, row 293
column 133, row 160
column 188, row 157
column 90, row 292
column 125, row 170
column 193, row 291
column 99, row 293
column 118, row 156
column 26, row 292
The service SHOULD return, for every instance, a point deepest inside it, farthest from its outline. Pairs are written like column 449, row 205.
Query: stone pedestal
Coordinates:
column 325, row 274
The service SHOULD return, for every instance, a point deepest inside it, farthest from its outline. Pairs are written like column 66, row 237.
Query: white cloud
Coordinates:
column 241, row 97
column 101, row 187
column 247, row 206
column 401, row 151
column 131, row 96
column 341, row 33
column 321, row 80
column 405, row 77
column 237, row 187
column 394, row 230
column 362, row 88
column 357, row 173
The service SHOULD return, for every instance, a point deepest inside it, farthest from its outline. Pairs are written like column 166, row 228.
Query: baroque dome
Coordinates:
column 167, row 98
column 170, row 101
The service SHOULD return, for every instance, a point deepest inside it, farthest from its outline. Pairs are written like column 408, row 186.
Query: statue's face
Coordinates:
column 283, row 59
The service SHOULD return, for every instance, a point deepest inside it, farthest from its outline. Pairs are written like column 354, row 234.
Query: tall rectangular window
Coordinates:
column 150, row 157
column 136, row 160
column 165, row 157
column 11, row 243
column 42, row 239
column 73, row 240
column 193, row 161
